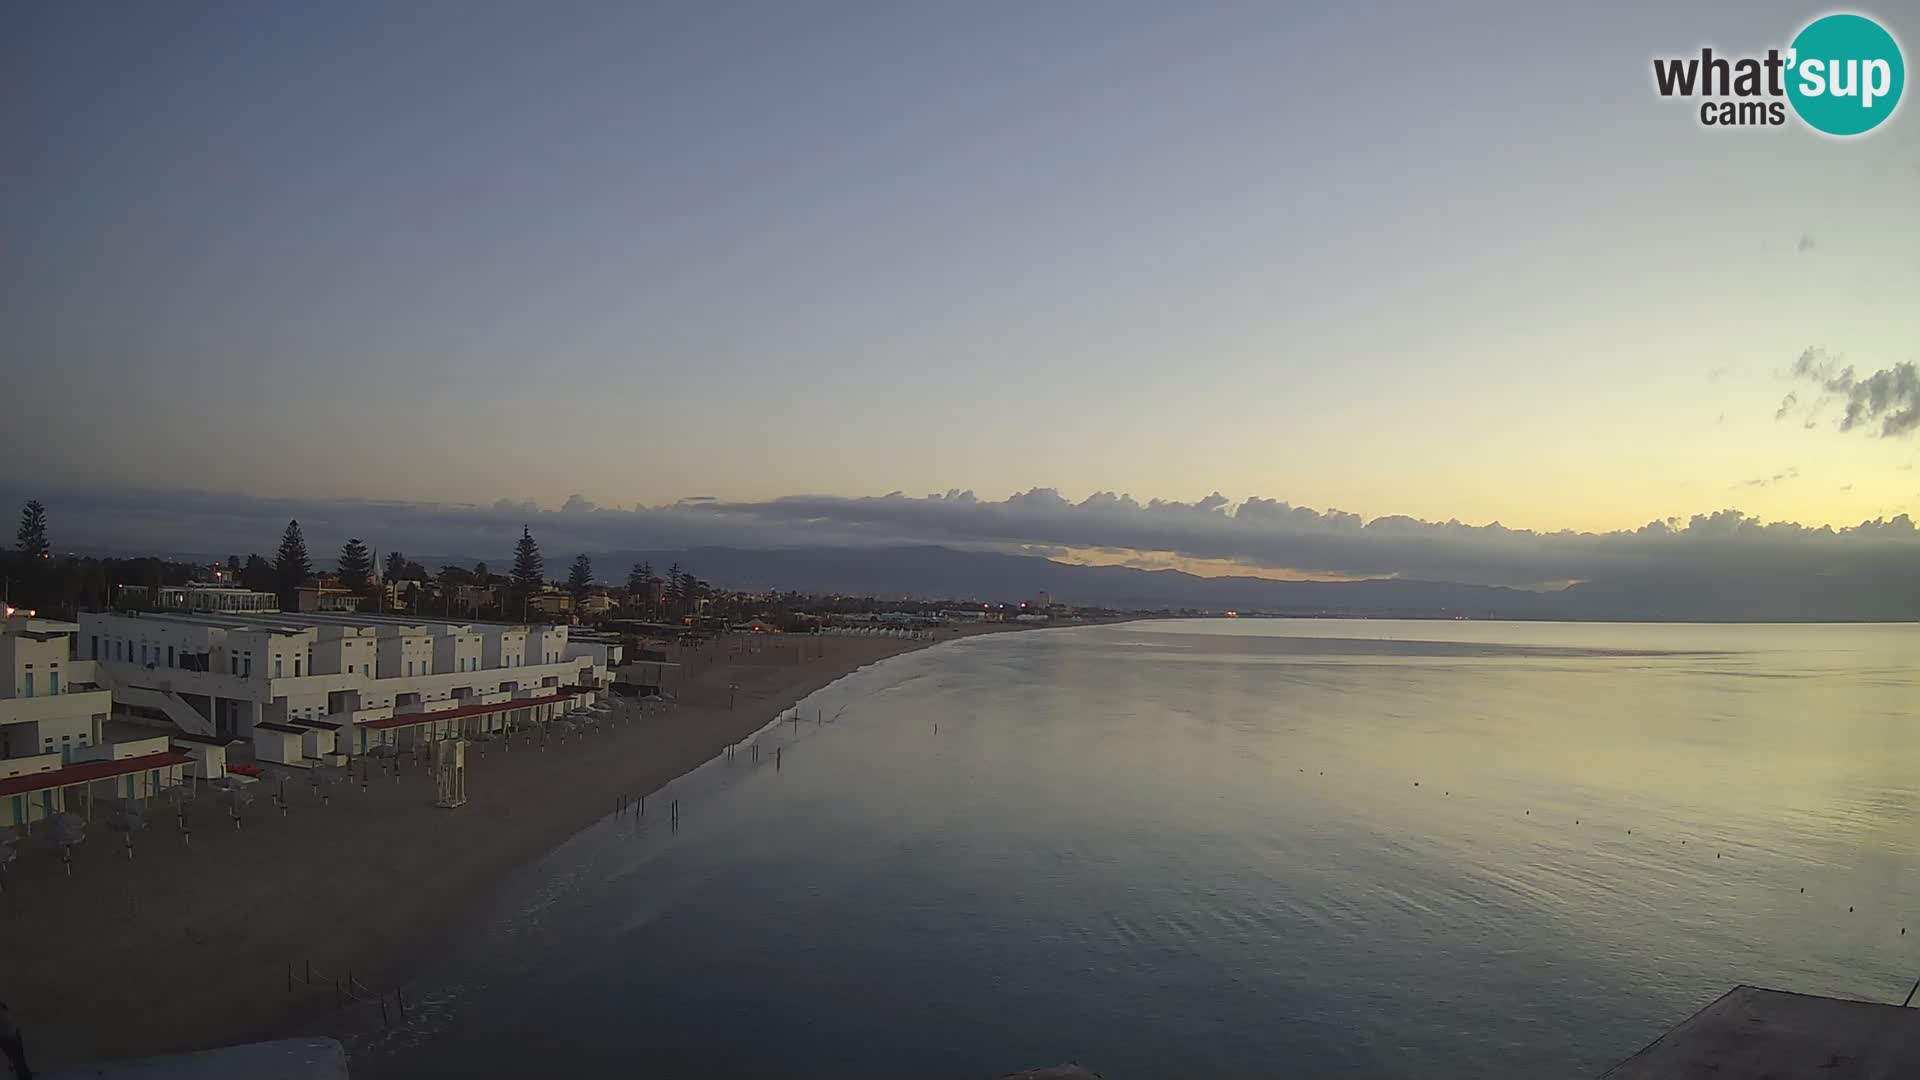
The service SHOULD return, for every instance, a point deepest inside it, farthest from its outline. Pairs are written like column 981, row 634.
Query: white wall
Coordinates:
column 405, row 656
column 546, row 644
column 501, row 647
column 457, row 651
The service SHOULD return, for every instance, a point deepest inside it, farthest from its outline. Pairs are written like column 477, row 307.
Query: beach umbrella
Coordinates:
column 129, row 816
column 64, row 831
column 323, row 779
column 234, row 795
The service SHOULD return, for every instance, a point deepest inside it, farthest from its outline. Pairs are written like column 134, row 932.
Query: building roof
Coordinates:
column 204, row 740
column 87, row 772
column 412, row 719
column 285, row 728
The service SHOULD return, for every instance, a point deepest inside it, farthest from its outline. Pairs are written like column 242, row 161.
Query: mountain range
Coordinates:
column 932, row 572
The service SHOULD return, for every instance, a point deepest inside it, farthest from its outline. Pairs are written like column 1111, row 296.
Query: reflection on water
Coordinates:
column 1229, row 848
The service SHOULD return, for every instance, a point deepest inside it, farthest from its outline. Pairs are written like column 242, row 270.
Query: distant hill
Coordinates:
column 931, row 572
column 927, row 571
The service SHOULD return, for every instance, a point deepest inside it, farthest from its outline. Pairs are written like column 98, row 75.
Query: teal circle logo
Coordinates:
column 1845, row 74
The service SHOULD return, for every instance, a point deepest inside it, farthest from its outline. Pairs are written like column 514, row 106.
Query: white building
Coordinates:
column 200, row 596
column 49, row 704
column 52, row 715
column 362, row 677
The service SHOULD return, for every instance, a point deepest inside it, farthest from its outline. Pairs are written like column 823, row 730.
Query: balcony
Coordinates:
column 55, row 706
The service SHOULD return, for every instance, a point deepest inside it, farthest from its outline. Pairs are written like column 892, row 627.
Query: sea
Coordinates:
column 1224, row 848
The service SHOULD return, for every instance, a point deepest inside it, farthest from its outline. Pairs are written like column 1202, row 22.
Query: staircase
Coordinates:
column 184, row 716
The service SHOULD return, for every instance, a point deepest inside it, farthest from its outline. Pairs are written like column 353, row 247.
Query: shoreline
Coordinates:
column 191, row 945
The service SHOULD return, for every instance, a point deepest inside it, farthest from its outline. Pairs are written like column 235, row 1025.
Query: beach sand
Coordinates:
column 186, row 947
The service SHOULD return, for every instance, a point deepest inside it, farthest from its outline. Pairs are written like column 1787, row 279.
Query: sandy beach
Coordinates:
column 188, row 946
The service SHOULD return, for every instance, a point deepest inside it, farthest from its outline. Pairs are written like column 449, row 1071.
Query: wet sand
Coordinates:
column 189, row 946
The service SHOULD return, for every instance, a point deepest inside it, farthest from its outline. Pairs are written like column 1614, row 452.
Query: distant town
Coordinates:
column 128, row 677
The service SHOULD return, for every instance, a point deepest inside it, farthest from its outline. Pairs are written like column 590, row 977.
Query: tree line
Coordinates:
column 35, row 579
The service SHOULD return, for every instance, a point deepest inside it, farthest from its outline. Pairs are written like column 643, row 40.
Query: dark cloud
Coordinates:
column 1888, row 399
column 1255, row 532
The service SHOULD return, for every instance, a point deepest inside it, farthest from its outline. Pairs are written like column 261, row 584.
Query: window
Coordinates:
column 169, row 656
column 234, row 662
column 53, row 682
column 276, row 667
column 409, row 667
column 93, row 642
column 28, row 691
column 296, row 667
column 349, row 669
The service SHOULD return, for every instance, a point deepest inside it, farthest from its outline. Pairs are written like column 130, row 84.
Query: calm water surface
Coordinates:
column 1217, row 848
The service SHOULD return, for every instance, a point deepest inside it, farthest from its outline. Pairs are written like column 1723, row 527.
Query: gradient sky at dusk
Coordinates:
column 1396, row 259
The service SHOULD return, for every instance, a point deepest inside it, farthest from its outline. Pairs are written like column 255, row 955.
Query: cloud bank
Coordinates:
column 1257, row 532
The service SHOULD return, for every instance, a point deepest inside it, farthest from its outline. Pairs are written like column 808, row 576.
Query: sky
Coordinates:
column 1438, row 262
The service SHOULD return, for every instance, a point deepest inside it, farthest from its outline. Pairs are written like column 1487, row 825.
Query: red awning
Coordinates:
column 413, row 719
column 87, row 772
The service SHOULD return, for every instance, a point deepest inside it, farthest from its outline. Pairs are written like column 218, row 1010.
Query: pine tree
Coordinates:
column 396, row 567
column 355, row 566
column 233, row 568
column 673, row 587
column 480, row 575
column 257, row 574
column 580, row 578
column 529, row 570
column 640, row 586
column 32, row 537
column 291, row 567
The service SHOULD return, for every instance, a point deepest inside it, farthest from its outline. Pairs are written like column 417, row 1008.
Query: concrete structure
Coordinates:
column 201, row 596
column 326, row 598
column 50, row 705
column 134, row 769
column 360, row 678
column 1752, row 1033
column 552, row 602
